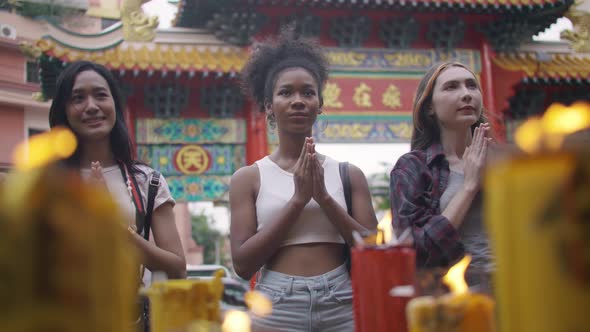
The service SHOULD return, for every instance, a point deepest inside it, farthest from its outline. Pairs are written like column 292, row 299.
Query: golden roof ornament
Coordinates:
column 580, row 36
column 31, row 51
column 137, row 26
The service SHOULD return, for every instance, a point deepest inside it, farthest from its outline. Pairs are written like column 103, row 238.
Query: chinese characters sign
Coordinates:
column 369, row 93
column 192, row 159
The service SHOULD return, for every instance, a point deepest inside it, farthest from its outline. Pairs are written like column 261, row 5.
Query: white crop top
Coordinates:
column 277, row 188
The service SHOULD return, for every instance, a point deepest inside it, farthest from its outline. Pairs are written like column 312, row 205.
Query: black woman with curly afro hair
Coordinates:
column 289, row 220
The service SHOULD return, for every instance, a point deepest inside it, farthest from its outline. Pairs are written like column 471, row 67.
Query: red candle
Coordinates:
column 375, row 272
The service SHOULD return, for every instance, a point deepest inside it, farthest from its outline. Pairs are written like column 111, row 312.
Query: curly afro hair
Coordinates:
column 271, row 57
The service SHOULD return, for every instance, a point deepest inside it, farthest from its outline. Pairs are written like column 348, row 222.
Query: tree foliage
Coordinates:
column 207, row 237
column 379, row 187
column 49, row 10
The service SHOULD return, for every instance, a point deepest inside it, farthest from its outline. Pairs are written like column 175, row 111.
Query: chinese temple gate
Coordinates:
column 191, row 122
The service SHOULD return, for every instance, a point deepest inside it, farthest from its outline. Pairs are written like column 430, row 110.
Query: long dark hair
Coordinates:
column 121, row 144
column 426, row 130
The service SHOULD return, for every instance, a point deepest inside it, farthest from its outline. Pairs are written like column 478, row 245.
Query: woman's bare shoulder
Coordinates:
column 246, row 175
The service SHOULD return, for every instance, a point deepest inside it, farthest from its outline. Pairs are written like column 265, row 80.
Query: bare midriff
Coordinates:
column 307, row 260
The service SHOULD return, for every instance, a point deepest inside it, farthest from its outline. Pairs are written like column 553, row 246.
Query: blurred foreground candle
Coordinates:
column 236, row 321
column 66, row 263
column 538, row 217
column 539, row 223
column 176, row 304
column 43, row 149
column 459, row 311
column 382, row 281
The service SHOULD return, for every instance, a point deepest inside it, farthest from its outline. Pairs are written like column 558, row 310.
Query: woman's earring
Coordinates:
column 321, row 122
column 272, row 121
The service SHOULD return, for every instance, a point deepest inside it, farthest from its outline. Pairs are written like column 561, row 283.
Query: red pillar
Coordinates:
column 495, row 116
column 256, row 140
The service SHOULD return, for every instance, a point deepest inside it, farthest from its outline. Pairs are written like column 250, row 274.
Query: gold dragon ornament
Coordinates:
column 580, row 36
column 137, row 26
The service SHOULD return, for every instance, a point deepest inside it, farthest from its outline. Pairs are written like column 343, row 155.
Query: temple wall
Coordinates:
column 12, row 66
column 12, row 127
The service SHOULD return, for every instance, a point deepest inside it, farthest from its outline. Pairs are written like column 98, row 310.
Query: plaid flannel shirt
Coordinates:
column 417, row 182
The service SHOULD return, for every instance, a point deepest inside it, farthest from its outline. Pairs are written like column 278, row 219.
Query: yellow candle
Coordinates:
column 532, row 220
column 422, row 314
column 459, row 311
column 469, row 312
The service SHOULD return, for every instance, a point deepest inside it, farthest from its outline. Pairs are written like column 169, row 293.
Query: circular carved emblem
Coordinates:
column 192, row 159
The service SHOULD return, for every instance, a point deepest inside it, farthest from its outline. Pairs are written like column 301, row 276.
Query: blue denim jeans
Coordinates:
column 319, row 303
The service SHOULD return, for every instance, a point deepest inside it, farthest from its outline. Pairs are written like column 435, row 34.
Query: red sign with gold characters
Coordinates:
column 352, row 93
column 192, row 159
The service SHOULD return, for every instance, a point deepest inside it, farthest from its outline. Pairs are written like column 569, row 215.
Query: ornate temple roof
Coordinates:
column 505, row 23
column 556, row 66
column 153, row 56
column 175, row 50
column 196, row 12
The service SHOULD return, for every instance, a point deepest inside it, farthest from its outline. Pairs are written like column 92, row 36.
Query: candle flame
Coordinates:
column 550, row 130
column 559, row 119
column 385, row 229
column 529, row 135
column 43, row 149
column 455, row 277
column 236, row 321
column 258, row 303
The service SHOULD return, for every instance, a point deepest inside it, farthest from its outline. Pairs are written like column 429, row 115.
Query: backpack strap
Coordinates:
column 154, row 183
column 345, row 178
column 347, row 188
column 143, row 214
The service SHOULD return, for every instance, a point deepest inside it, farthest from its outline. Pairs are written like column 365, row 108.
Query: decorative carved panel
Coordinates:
column 351, row 31
column 166, row 100
column 399, row 32
column 222, row 101
column 236, row 26
column 306, row 25
column 202, row 131
column 446, row 34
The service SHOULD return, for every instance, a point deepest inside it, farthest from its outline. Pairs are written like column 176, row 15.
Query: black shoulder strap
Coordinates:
column 346, row 186
column 154, row 183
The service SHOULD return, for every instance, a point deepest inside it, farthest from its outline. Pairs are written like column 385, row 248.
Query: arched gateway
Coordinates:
column 190, row 120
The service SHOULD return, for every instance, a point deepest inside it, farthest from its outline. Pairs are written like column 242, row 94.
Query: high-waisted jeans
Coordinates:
column 320, row 303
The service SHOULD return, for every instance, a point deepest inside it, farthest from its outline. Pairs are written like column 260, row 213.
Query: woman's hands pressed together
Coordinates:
column 96, row 176
column 308, row 176
column 302, row 175
column 474, row 158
